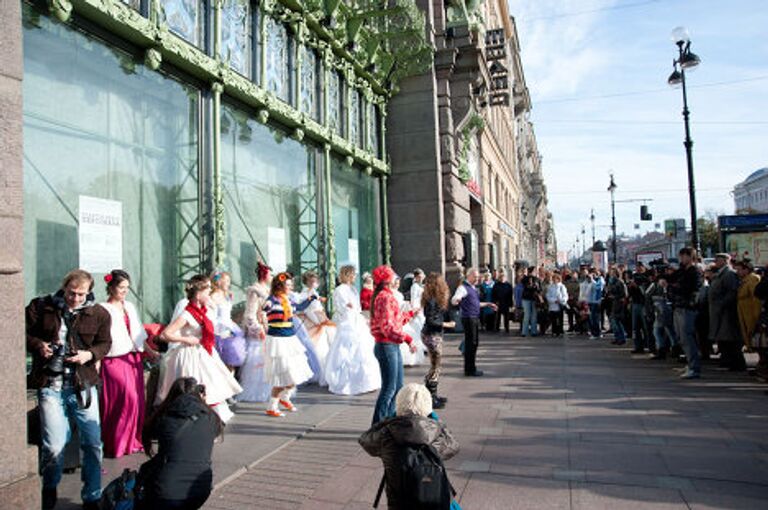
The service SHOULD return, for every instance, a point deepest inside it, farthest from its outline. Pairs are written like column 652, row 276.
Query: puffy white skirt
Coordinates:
column 412, row 359
column 194, row 361
column 285, row 361
column 351, row 367
column 255, row 387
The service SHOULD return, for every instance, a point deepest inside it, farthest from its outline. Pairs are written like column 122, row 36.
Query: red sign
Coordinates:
column 474, row 188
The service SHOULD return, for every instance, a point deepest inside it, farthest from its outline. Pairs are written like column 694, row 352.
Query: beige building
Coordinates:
column 466, row 186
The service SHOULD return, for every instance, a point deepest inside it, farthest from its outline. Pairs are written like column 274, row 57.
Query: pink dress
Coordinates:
column 122, row 391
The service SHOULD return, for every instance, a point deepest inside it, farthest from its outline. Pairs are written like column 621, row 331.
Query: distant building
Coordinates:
column 751, row 195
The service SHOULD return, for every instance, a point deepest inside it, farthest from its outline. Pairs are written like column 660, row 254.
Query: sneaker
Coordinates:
column 638, row 351
column 688, row 374
column 275, row 413
column 658, row 356
column 289, row 406
column 49, row 498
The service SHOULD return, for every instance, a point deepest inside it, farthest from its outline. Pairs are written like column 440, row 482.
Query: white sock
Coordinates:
column 273, row 404
column 285, row 395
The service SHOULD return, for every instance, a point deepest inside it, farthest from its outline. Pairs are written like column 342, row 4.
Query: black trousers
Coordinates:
column 489, row 321
column 471, row 339
column 556, row 319
column 503, row 312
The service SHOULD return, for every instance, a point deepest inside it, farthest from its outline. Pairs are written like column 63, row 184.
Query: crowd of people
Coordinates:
column 124, row 384
column 89, row 360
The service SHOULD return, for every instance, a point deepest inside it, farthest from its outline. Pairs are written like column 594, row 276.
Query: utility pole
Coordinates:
column 612, row 189
column 592, row 219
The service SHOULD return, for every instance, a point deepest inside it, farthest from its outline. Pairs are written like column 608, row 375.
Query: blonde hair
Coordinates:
column 345, row 271
column 413, row 399
column 78, row 277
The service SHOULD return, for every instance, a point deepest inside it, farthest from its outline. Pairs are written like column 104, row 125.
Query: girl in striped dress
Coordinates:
column 285, row 359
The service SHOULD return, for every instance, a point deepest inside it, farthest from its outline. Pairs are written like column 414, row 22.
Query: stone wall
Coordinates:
column 19, row 483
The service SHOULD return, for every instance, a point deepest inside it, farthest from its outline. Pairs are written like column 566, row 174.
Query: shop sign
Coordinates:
column 276, row 249
column 100, row 234
column 496, row 55
column 506, row 229
column 474, row 188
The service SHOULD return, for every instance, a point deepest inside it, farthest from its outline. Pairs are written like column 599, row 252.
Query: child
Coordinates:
column 230, row 340
column 366, row 295
column 255, row 388
column 412, row 426
column 285, row 359
column 320, row 330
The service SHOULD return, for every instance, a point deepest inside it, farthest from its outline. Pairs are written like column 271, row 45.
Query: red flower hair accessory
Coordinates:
column 282, row 277
column 383, row 274
column 108, row 277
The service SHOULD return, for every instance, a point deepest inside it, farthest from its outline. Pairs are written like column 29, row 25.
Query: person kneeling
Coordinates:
column 412, row 446
column 179, row 476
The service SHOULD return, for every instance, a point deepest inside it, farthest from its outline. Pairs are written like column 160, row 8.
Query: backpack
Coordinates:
column 421, row 481
column 122, row 493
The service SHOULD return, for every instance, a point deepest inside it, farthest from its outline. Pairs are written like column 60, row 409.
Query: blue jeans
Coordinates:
column 530, row 323
column 617, row 326
column 56, row 406
column 685, row 327
column 391, row 366
column 594, row 319
column 665, row 336
column 638, row 327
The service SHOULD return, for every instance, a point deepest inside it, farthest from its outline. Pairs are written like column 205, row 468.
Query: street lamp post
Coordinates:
column 686, row 60
column 583, row 239
column 592, row 219
column 612, row 189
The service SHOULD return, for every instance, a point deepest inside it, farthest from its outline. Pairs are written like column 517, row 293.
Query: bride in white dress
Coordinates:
column 413, row 328
column 351, row 367
column 191, row 351
column 255, row 386
column 320, row 330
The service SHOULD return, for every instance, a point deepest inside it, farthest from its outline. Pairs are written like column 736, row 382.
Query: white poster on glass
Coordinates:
column 354, row 253
column 276, row 249
column 100, row 234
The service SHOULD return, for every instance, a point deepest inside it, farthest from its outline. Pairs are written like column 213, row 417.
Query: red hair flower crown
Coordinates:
column 108, row 277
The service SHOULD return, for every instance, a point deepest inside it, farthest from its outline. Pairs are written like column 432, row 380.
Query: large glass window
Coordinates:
column 373, row 128
column 355, row 126
column 308, row 81
column 97, row 124
column 335, row 102
column 236, row 35
column 186, row 18
column 277, row 59
column 355, row 212
column 270, row 199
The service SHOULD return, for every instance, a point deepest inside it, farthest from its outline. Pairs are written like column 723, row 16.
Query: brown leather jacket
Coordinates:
column 43, row 319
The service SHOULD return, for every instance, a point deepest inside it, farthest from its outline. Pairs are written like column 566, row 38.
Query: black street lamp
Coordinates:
column 592, row 219
column 686, row 60
column 612, row 189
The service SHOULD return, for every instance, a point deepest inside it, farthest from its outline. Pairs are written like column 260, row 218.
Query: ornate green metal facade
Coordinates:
column 363, row 46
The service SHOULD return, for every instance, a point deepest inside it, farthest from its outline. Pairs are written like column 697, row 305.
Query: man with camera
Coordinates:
column 66, row 336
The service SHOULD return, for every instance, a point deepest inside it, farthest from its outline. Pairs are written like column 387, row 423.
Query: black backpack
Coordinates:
column 421, row 482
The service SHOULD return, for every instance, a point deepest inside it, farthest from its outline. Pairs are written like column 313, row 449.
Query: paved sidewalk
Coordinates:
column 555, row 423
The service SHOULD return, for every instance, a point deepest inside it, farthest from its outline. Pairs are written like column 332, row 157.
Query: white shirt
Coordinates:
column 461, row 293
column 557, row 296
column 124, row 342
column 344, row 295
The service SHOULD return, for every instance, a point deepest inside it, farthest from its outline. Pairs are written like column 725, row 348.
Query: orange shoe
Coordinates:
column 289, row 406
column 275, row 414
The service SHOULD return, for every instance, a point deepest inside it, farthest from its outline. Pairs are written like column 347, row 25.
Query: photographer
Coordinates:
column 66, row 336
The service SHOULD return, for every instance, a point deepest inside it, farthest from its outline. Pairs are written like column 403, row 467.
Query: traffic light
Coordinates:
column 644, row 214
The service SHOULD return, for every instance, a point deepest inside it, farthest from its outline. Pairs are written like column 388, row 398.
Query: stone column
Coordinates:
column 19, row 483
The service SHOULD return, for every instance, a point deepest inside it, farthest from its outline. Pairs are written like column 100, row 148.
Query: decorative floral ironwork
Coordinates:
column 235, row 35
column 277, row 58
column 184, row 18
column 354, row 118
column 136, row 4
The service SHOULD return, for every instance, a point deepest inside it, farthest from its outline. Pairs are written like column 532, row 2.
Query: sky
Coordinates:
column 597, row 73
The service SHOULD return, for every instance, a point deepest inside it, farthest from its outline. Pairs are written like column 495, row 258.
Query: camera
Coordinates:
column 55, row 364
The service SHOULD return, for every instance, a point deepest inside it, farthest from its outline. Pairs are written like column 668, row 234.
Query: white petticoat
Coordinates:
column 255, row 388
column 184, row 360
column 285, row 361
column 351, row 367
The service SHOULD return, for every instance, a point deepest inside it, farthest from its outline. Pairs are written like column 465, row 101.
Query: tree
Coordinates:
column 709, row 235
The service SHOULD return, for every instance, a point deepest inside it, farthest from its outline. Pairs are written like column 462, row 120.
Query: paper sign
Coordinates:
column 100, row 234
column 354, row 253
column 276, row 249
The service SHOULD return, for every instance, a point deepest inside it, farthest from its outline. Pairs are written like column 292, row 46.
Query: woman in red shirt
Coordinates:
column 387, row 329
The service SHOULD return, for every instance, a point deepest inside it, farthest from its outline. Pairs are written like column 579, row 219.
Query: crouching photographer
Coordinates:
column 67, row 336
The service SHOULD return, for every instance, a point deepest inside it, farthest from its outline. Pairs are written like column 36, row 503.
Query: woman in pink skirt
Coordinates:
column 122, row 373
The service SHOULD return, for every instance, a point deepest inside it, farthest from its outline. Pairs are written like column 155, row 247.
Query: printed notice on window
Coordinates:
column 354, row 253
column 100, row 234
column 276, row 249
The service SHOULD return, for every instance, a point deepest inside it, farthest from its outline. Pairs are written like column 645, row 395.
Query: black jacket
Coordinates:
column 503, row 295
column 684, row 286
column 181, row 469
column 385, row 439
column 433, row 318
